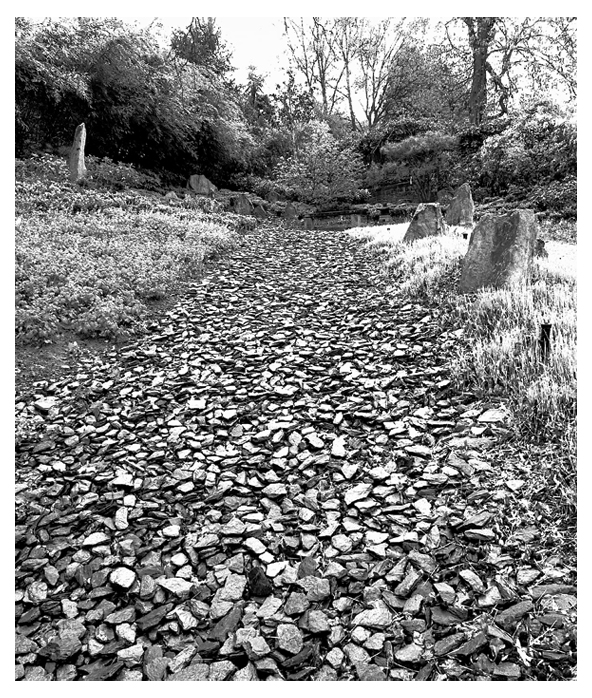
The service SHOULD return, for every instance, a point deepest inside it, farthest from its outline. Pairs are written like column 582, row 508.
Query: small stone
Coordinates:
column 36, row 673
column 36, row 593
column 326, row 673
column 296, row 603
column 256, row 648
column 372, row 673
column 316, row 588
column 289, row 638
column 379, row 617
column 121, row 522
column 510, row 616
column 255, row 546
column 270, row 606
column 342, row 543
column 357, row 493
column 276, row 568
column 335, row 657
column 234, row 587
column 194, row 672
column 409, row 653
column 177, row 586
column 122, row 577
column 318, row 622
column 275, row 490
column 235, row 527
column 126, row 632
column 357, row 655
column 314, row 440
column 220, row 671
column 375, row 642
column 338, row 447
column 131, row 655
column 172, row 531
column 472, row 580
column 348, row 470
column 131, row 675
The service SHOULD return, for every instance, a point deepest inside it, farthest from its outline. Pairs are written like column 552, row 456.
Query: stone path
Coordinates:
column 277, row 484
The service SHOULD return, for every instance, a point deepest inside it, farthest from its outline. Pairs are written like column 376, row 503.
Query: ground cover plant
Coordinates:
column 89, row 259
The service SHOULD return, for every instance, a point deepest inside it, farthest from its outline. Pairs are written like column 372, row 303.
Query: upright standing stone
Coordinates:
column 426, row 222
column 201, row 185
column 307, row 222
column 76, row 163
column 500, row 251
column 462, row 208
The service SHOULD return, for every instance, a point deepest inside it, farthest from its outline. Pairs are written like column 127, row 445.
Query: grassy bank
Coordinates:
column 89, row 259
column 499, row 357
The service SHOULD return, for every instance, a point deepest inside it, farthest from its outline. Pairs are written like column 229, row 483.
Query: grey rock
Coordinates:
column 461, row 209
column 500, row 252
column 427, row 221
column 316, row 588
column 289, row 638
column 76, row 160
column 201, row 185
column 194, row 672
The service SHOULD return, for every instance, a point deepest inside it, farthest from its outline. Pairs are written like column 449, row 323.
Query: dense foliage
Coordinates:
column 364, row 104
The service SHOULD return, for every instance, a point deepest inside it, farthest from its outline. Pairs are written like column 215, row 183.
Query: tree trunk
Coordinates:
column 481, row 31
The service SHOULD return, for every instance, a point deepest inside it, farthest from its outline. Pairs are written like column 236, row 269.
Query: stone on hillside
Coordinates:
column 272, row 197
column 259, row 211
column 76, row 161
column 427, row 221
column 242, row 205
column 201, row 185
column 462, row 208
column 289, row 211
column 500, row 251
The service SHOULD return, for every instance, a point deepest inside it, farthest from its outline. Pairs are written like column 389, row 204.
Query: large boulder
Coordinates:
column 290, row 211
column 201, row 185
column 426, row 222
column 76, row 160
column 242, row 205
column 259, row 211
column 500, row 251
column 462, row 208
column 272, row 196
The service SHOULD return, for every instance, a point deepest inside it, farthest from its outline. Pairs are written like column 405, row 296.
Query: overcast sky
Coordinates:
column 253, row 41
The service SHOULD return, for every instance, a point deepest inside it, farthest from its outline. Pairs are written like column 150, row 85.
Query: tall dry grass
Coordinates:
column 500, row 355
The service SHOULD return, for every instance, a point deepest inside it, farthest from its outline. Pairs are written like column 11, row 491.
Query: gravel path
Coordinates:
column 276, row 484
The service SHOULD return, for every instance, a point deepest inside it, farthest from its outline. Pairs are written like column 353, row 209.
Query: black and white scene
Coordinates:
column 295, row 348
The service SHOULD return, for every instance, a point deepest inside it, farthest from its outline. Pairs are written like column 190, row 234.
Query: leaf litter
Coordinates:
column 279, row 483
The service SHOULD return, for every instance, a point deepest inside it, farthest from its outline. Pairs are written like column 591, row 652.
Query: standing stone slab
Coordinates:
column 76, row 163
column 462, row 208
column 201, row 185
column 500, row 251
column 426, row 222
